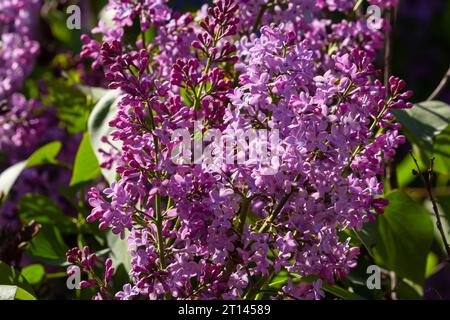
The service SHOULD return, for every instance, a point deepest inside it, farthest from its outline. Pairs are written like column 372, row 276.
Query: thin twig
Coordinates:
column 427, row 181
column 278, row 209
column 391, row 17
column 387, row 49
column 262, row 9
column 440, row 86
column 421, row 193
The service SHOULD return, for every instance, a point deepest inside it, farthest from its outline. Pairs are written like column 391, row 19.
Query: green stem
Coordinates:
column 169, row 203
column 357, row 5
column 251, row 294
column 428, row 184
column 262, row 9
column 209, row 61
column 243, row 214
column 278, row 209
column 198, row 94
column 345, row 93
column 155, row 139
column 372, row 126
column 159, row 227
column 80, row 238
column 158, row 216
column 56, row 275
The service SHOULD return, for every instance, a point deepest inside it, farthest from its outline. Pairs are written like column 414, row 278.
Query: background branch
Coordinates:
column 440, row 86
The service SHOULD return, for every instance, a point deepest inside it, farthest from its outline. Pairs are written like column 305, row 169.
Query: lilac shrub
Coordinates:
column 197, row 233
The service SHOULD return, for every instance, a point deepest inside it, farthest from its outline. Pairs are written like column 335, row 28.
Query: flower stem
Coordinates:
column 243, row 214
column 372, row 126
column 278, row 209
column 158, row 217
column 427, row 182
column 441, row 86
column 159, row 227
column 262, row 9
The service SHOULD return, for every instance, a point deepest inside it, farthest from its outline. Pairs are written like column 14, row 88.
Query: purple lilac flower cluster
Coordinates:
column 23, row 127
column 19, row 127
column 275, row 65
column 17, row 48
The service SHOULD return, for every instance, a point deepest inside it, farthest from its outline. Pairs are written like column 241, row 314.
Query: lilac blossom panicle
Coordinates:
column 19, row 127
column 194, row 233
column 17, row 47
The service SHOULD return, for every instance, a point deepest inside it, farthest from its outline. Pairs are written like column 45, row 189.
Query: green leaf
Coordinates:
column 9, row 177
column 33, row 273
column 355, row 240
column 438, row 242
column 424, row 121
column 149, row 35
column 94, row 93
column 11, row 277
column 7, row 292
column 73, row 103
column 44, row 211
column 48, row 246
column 405, row 234
column 119, row 250
column 406, row 166
column 368, row 236
column 252, row 218
column 57, row 23
column 341, row 292
column 22, row 294
column 408, row 290
column 14, row 293
column 107, row 15
column 432, row 263
column 186, row 98
column 441, row 152
column 279, row 280
column 283, row 276
column 44, row 155
column 86, row 166
column 98, row 126
column 120, row 277
column 444, row 203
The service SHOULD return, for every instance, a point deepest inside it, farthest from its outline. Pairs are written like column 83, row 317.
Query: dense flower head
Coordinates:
column 17, row 49
column 18, row 16
column 147, row 11
column 21, row 125
column 214, row 229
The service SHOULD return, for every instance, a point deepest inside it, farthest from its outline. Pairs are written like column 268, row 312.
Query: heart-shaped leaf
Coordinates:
column 404, row 237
